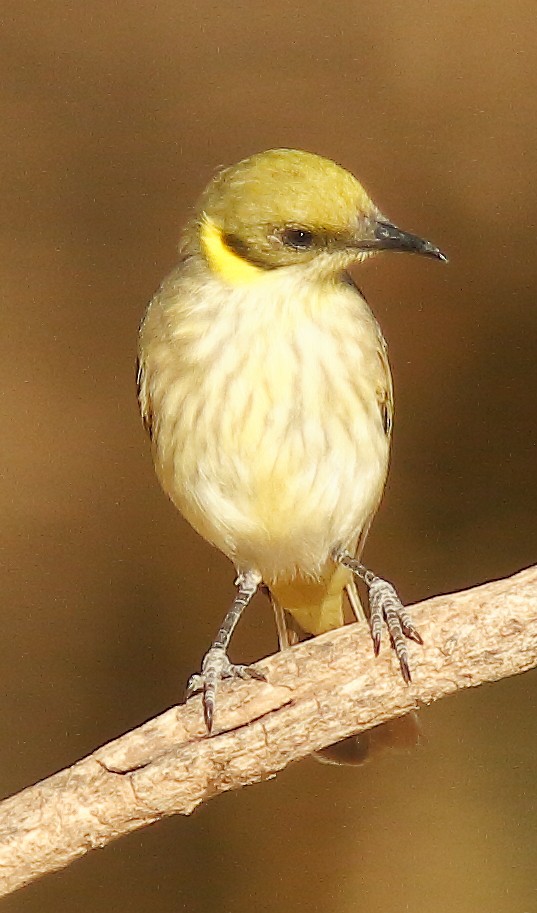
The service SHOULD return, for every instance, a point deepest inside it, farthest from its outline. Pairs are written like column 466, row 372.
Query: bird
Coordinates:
column 265, row 387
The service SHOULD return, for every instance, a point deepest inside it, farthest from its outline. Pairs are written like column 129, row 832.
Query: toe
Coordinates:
column 194, row 685
column 209, row 699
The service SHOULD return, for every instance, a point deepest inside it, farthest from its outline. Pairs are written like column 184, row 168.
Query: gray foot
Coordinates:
column 214, row 668
column 386, row 606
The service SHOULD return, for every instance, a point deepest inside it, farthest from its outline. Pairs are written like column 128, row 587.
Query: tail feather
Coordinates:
column 354, row 600
column 315, row 606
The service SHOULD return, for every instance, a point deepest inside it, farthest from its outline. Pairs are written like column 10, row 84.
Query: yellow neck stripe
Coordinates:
column 223, row 261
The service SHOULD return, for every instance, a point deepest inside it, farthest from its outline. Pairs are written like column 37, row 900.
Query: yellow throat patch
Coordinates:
column 223, row 261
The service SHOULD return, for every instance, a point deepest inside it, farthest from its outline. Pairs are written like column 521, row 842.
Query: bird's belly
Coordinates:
column 286, row 463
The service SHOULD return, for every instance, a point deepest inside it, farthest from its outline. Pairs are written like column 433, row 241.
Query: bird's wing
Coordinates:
column 385, row 390
column 144, row 398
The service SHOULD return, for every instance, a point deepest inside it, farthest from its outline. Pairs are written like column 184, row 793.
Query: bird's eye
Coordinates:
column 298, row 238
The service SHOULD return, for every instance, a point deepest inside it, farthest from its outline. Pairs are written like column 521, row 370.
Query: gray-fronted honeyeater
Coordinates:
column 265, row 386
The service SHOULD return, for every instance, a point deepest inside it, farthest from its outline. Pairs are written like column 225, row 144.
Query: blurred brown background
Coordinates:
column 114, row 117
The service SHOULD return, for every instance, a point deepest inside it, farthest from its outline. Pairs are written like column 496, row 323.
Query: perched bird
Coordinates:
column 265, row 386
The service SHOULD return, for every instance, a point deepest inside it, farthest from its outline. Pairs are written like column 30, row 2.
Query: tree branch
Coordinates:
column 318, row 692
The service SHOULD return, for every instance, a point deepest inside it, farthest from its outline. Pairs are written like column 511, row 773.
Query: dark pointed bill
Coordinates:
column 388, row 237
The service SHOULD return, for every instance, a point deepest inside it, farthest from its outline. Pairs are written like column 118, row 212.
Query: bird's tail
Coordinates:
column 304, row 608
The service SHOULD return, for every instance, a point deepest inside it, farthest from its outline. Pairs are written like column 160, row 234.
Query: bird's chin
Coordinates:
column 327, row 266
column 358, row 256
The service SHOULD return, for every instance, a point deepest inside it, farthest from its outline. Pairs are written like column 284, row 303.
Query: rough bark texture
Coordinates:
column 318, row 692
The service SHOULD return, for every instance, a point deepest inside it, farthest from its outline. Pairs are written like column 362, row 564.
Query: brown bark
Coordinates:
column 318, row 692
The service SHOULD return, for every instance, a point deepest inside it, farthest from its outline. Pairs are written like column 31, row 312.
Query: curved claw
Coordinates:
column 209, row 700
column 194, row 685
column 405, row 669
column 386, row 607
column 376, row 643
column 412, row 633
column 215, row 668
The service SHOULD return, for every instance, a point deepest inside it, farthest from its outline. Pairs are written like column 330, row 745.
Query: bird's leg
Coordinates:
column 385, row 606
column 216, row 665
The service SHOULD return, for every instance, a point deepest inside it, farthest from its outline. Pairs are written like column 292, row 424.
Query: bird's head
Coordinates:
column 285, row 208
